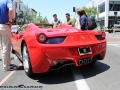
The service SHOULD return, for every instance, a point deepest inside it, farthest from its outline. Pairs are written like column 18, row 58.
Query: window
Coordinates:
column 114, row 5
column 101, row 8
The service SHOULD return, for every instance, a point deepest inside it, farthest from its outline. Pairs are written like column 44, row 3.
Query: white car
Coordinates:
column 117, row 26
column 14, row 28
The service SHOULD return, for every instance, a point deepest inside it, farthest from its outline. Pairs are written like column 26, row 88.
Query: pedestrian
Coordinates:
column 77, row 23
column 6, row 15
column 83, row 19
column 56, row 21
column 68, row 20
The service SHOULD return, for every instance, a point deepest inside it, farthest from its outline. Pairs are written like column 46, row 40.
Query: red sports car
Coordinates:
column 44, row 47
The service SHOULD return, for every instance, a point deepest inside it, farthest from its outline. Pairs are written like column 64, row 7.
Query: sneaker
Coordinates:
column 10, row 69
column 13, row 65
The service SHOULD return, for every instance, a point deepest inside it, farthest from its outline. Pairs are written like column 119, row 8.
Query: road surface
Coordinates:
column 105, row 75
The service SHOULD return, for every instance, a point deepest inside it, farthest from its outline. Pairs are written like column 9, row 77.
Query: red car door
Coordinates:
column 20, row 38
column 15, row 42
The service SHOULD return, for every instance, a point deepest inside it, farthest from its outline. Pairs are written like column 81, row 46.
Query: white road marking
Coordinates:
column 9, row 75
column 79, row 80
column 117, row 45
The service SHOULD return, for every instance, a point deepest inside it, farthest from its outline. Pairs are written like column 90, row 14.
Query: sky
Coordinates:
column 60, row 7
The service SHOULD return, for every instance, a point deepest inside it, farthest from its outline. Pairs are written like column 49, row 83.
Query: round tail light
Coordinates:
column 41, row 37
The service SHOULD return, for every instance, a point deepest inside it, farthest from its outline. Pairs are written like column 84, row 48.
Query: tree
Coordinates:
column 44, row 20
column 40, row 19
column 26, row 14
column 89, row 11
column 21, row 14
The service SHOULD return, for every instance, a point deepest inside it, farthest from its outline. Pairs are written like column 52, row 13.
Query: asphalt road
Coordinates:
column 105, row 75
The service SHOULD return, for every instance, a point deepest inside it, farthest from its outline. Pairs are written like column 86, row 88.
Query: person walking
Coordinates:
column 6, row 16
column 83, row 19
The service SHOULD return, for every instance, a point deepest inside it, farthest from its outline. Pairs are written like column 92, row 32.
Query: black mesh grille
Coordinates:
column 55, row 40
column 99, row 37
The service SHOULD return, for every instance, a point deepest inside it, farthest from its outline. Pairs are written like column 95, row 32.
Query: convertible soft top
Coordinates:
column 45, row 24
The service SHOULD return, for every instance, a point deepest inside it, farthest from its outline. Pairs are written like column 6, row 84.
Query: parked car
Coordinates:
column 15, row 28
column 117, row 26
column 42, row 48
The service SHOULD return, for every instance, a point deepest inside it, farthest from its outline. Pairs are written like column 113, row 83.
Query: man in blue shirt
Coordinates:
column 6, row 15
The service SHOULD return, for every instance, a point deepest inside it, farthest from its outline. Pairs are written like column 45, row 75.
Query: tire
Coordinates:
column 26, row 61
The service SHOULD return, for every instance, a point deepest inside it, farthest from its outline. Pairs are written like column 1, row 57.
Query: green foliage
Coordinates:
column 40, row 19
column 26, row 14
column 90, row 11
column 34, row 18
column 21, row 14
column 44, row 20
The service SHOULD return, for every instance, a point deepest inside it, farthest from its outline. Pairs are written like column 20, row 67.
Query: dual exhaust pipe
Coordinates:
column 85, row 61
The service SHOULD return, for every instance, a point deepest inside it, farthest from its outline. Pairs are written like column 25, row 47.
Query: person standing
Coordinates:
column 56, row 21
column 68, row 20
column 6, row 16
column 77, row 23
column 83, row 19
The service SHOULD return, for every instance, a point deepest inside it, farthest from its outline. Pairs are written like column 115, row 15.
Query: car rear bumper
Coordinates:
column 45, row 58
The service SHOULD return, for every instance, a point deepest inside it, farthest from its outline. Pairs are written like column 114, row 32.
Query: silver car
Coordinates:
column 14, row 28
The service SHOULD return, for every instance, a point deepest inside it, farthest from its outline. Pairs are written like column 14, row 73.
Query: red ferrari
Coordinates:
column 44, row 47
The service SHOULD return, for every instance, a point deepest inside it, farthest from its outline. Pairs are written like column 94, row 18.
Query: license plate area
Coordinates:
column 84, row 50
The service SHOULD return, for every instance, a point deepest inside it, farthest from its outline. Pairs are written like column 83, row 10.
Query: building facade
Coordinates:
column 20, row 8
column 106, row 10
